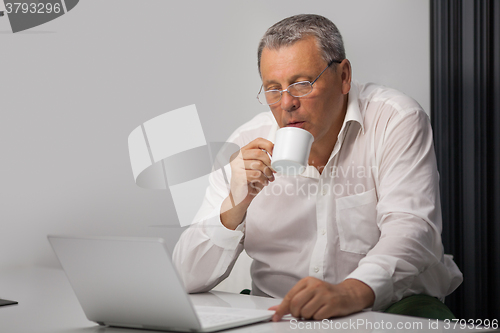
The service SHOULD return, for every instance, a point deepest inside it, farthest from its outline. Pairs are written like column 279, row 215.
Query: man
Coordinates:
column 360, row 228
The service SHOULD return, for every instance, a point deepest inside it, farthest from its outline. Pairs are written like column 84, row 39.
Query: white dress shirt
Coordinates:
column 373, row 214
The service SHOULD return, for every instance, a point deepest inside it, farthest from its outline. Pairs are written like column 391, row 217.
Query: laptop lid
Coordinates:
column 123, row 281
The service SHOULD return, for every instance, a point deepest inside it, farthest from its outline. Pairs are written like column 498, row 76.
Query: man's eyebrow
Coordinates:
column 269, row 83
column 294, row 78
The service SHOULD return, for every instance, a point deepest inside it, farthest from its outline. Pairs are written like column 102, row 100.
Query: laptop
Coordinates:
column 131, row 282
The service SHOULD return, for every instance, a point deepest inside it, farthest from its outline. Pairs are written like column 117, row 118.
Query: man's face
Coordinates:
column 323, row 110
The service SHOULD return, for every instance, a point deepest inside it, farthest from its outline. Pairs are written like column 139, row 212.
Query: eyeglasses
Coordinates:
column 297, row 89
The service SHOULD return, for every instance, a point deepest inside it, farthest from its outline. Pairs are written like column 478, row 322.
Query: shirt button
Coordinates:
column 316, row 269
column 325, row 191
column 323, row 232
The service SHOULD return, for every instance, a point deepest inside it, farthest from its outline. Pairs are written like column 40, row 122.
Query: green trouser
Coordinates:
column 421, row 306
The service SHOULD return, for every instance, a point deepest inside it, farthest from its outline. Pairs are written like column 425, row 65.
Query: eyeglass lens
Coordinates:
column 298, row 89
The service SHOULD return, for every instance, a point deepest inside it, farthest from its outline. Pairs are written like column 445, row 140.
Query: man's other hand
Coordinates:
column 250, row 173
column 312, row 298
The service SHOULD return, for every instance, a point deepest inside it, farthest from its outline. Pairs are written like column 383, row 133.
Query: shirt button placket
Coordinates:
column 316, row 266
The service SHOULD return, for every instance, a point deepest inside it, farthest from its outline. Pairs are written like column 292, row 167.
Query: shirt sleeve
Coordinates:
column 207, row 250
column 408, row 210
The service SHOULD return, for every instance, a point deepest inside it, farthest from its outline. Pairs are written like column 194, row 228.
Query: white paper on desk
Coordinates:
column 170, row 151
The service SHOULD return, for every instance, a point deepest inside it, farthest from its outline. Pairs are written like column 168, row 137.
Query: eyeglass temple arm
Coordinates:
column 329, row 64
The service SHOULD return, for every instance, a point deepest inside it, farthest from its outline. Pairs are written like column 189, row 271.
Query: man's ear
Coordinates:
column 345, row 74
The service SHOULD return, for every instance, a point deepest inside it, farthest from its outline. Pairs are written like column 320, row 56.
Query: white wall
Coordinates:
column 73, row 89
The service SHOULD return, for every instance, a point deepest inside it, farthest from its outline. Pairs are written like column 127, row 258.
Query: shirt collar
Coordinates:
column 353, row 113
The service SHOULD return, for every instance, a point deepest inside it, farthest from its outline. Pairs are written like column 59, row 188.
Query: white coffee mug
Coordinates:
column 291, row 150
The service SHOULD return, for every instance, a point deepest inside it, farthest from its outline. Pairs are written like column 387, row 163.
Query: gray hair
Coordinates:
column 294, row 28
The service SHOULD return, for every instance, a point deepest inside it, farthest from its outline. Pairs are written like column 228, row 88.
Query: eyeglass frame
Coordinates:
column 281, row 91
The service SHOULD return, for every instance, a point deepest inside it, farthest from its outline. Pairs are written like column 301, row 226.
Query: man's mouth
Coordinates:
column 296, row 124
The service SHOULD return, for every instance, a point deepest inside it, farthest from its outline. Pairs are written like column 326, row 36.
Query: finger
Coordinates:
column 257, row 154
column 256, row 176
column 300, row 301
column 284, row 307
column 261, row 143
column 261, row 166
column 311, row 307
column 273, row 308
column 324, row 312
column 334, row 307
column 281, row 310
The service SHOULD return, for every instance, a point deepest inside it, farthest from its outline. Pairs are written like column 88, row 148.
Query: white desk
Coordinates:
column 47, row 304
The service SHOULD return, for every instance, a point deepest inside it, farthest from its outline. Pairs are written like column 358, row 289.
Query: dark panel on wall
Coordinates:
column 465, row 113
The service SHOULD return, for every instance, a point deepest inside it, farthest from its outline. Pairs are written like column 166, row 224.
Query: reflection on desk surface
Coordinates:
column 47, row 304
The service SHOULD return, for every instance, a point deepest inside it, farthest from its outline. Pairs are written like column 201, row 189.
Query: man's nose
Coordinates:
column 288, row 102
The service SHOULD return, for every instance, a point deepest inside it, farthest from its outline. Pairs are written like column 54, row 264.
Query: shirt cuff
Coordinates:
column 220, row 235
column 378, row 279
